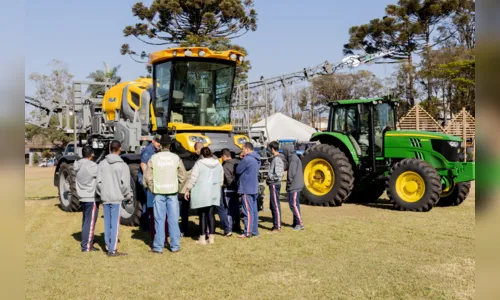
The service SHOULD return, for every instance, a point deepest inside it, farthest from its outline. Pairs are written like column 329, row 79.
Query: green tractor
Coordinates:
column 361, row 155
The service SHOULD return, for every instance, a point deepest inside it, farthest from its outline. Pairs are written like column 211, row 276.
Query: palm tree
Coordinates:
column 102, row 76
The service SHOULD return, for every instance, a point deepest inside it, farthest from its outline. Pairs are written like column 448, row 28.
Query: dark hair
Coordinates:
column 206, row 152
column 226, row 152
column 87, row 151
column 115, row 146
column 248, row 145
column 274, row 146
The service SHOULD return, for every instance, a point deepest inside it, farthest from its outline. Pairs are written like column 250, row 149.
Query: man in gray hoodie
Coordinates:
column 294, row 184
column 86, row 174
column 113, row 185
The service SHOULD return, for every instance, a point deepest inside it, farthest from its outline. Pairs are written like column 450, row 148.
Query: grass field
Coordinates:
column 349, row 252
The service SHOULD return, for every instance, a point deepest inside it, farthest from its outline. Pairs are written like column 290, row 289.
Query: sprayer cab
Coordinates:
column 192, row 88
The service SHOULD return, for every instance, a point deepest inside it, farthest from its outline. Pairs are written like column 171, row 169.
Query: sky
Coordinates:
column 291, row 35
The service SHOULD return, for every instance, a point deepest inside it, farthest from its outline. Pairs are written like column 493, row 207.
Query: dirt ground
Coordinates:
column 351, row 252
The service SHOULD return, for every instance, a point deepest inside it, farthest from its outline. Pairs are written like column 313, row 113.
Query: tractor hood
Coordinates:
column 423, row 134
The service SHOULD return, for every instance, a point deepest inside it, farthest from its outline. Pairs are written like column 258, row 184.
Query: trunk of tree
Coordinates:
column 410, row 80
column 428, row 58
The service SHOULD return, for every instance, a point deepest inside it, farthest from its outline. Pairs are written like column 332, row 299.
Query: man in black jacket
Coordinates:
column 229, row 209
column 294, row 184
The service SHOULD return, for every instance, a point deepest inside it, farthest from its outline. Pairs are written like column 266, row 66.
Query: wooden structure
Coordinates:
column 418, row 119
column 464, row 126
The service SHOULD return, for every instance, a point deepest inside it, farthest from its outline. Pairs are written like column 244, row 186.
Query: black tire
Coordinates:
column 432, row 184
column 457, row 196
column 344, row 175
column 68, row 198
column 131, row 211
column 368, row 192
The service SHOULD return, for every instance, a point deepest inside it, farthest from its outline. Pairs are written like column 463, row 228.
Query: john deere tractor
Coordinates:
column 361, row 155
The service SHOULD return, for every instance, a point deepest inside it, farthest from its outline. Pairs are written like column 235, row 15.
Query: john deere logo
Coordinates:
column 112, row 99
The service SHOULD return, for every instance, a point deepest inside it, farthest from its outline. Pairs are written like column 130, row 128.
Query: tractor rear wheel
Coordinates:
column 328, row 176
column 413, row 185
column 456, row 195
column 131, row 211
column 68, row 197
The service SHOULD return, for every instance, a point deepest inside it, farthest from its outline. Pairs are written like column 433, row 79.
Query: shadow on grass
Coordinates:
column 42, row 198
column 98, row 239
column 380, row 204
column 267, row 219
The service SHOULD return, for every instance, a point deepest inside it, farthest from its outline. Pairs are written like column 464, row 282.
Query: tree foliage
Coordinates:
column 104, row 75
column 209, row 23
column 54, row 87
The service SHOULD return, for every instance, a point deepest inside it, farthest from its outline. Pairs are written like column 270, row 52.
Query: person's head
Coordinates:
column 165, row 142
column 226, row 154
column 115, row 147
column 205, row 152
column 274, row 147
column 88, row 152
column 197, row 147
column 247, row 148
column 156, row 142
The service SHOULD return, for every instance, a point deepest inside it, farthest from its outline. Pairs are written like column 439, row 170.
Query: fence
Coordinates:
column 462, row 125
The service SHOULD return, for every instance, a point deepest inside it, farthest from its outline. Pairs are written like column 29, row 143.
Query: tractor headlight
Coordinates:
column 454, row 144
column 188, row 53
column 242, row 140
column 241, row 58
column 201, row 53
column 232, row 56
column 197, row 139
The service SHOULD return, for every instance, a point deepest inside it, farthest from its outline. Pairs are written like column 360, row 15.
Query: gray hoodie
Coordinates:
column 86, row 174
column 276, row 170
column 295, row 177
column 113, row 180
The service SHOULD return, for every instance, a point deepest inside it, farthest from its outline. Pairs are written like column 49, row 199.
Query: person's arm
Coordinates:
column 148, row 176
column 279, row 168
column 292, row 169
column 181, row 173
column 221, row 176
column 98, row 180
column 195, row 173
column 126, row 188
column 241, row 166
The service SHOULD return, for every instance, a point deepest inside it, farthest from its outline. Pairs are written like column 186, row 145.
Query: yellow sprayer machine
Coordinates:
column 188, row 97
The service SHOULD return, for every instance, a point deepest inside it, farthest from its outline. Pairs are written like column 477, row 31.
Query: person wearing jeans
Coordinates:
column 164, row 173
column 248, row 187
column 229, row 210
column 113, row 185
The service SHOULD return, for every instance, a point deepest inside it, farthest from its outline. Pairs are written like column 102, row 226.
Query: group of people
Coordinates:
column 173, row 187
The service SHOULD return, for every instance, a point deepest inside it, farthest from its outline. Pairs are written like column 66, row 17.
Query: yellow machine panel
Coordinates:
column 131, row 91
column 202, row 52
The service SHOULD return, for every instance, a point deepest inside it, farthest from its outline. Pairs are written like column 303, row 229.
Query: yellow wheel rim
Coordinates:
column 410, row 186
column 319, row 176
column 447, row 191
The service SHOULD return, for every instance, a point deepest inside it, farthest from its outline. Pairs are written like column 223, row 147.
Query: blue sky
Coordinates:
column 291, row 35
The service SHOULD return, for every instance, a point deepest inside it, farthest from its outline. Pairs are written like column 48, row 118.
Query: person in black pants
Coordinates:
column 86, row 174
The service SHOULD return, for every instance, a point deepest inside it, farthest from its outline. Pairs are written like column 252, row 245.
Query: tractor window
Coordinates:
column 383, row 116
column 339, row 119
column 161, row 87
column 358, row 126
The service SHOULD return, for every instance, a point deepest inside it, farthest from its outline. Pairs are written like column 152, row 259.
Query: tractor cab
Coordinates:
column 191, row 96
column 364, row 122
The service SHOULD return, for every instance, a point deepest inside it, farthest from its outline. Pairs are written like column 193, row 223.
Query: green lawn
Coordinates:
column 349, row 252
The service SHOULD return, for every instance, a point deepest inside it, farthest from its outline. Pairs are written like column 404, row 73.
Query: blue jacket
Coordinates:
column 146, row 154
column 248, row 174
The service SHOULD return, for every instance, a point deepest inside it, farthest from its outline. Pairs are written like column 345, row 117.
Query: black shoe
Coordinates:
column 116, row 253
column 155, row 252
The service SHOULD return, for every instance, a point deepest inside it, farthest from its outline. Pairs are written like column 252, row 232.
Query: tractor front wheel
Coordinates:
column 131, row 211
column 456, row 195
column 413, row 185
column 328, row 176
column 67, row 188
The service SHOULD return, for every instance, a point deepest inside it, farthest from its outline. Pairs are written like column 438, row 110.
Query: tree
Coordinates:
column 209, row 23
column 108, row 73
column 52, row 88
column 460, row 29
column 47, row 154
column 35, row 158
